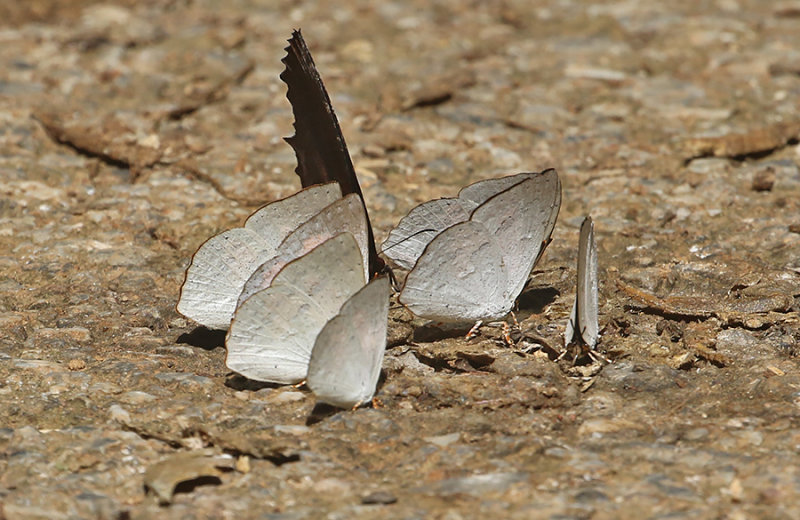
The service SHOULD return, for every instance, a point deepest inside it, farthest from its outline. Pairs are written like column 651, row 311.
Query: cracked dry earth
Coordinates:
column 133, row 131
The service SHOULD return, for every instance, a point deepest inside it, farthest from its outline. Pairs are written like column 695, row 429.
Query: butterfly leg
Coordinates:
column 516, row 326
column 507, row 334
column 597, row 357
column 474, row 331
column 512, row 331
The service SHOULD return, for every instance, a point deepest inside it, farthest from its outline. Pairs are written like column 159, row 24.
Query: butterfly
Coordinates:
column 318, row 322
column 582, row 327
column 470, row 256
column 318, row 142
column 217, row 279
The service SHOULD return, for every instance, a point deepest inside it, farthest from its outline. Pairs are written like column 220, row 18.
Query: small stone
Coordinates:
column 736, row 490
column 764, row 179
column 334, row 486
column 242, row 464
column 119, row 414
column 603, row 426
column 482, row 483
column 36, row 364
column 287, row 397
column 79, row 334
column 444, row 440
column 696, row 434
column 292, row 429
column 379, row 497
column 137, row 397
column 76, row 364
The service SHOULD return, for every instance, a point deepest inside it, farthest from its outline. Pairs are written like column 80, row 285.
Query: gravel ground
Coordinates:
column 132, row 131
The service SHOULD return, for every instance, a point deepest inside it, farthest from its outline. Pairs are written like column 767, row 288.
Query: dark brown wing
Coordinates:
column 318, row 142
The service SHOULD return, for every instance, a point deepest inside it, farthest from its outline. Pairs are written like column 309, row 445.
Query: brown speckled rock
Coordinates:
column 132, row 131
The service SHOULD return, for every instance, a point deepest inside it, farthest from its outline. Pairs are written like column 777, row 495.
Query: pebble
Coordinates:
column 379, row 498
column 119, row 414
column 137, row 397
column 92, row 255
column 479, row 484
column 444, row 440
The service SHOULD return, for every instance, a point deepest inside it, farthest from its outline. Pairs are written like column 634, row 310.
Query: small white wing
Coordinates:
column 459, row 278
column 345, row 214
column 217, row 274
column 273, row 332
column 346, row 360
column 223, row 263
column 583, row 325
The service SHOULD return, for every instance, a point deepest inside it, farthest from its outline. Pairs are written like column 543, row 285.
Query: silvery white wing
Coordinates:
column 223, row 263
column 521, row 218
column 406, row 242
column 582, row 326
column 459, row 278
column 476, row 271
column 346, row 360
column 345, row 214
column 273, row 332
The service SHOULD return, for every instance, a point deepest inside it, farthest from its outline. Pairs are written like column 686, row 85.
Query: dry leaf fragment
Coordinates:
column 728, row 309
column 162, row 478
column 733, row 144
column 438, row 89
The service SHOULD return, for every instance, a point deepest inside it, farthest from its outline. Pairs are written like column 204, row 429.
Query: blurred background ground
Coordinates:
column 132, row 131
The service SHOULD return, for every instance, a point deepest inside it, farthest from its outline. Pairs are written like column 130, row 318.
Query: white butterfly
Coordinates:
column 318, row 322
column 582, row 326
column 233, row 265
column 470, row 256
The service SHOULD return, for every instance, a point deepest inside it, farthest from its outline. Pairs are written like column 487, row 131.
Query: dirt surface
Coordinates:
column 132, row 132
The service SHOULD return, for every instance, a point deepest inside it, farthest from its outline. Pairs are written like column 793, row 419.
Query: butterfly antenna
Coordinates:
column 392, row 278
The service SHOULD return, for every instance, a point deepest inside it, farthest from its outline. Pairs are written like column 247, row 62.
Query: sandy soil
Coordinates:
column 132, row 131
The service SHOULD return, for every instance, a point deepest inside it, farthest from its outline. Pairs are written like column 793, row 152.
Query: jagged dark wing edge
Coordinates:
column 318, row 142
